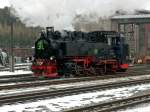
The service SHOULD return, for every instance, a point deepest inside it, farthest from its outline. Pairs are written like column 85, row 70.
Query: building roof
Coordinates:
column 132, row 16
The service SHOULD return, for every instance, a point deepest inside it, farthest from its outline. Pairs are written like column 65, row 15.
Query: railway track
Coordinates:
column 129, row 72
column 29, row 77
column 50, row 82
column 16, row 67
column 30, row 82
column 24, row 81
column 113, row 106
column 50, row 93
column 35, row 95
column 27, row 80
column 18, row 79
column 14, row 76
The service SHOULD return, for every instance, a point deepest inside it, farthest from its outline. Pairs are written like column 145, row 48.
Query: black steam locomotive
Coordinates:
column 75, row 53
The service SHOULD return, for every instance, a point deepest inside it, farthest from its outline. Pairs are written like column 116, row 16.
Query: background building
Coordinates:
column 136, row 28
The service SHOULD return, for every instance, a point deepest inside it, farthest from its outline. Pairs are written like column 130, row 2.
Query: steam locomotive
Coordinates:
column 76, row 53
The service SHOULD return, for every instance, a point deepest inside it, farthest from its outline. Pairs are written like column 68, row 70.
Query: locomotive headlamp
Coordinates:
column 52, row 58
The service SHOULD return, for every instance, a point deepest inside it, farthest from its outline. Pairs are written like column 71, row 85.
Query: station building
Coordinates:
column 136, row 28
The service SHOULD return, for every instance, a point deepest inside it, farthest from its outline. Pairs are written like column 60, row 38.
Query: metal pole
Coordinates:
column 11, row 49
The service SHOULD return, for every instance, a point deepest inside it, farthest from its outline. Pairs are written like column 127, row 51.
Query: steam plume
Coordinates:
column 60, row 13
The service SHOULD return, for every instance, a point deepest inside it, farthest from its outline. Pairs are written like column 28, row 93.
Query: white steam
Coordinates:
column 60, row 13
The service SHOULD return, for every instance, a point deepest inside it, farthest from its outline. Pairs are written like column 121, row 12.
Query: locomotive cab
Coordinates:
column 121, row 50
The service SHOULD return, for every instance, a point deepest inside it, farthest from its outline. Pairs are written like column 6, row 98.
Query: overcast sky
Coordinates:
column 61, row 13
column 4, row 3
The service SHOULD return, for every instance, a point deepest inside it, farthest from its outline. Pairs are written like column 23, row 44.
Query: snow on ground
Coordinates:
column 68, row 85
column 60, row 103
column 85, row 83
column 138, row 108
column 21, row 64
column 16, row 72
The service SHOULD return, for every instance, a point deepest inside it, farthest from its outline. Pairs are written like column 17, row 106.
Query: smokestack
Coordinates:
column 50, row 32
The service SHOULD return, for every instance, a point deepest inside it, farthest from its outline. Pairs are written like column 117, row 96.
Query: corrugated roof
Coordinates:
column 131, row 16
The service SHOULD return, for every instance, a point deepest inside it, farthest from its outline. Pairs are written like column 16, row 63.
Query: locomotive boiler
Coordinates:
column 75, row 53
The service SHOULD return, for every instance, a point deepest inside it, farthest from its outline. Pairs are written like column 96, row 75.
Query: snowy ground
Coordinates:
column 23, row 64
column 68, row 85
column 61, row 103
column 138, row 108
column 58, row 104
column 17, row 72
